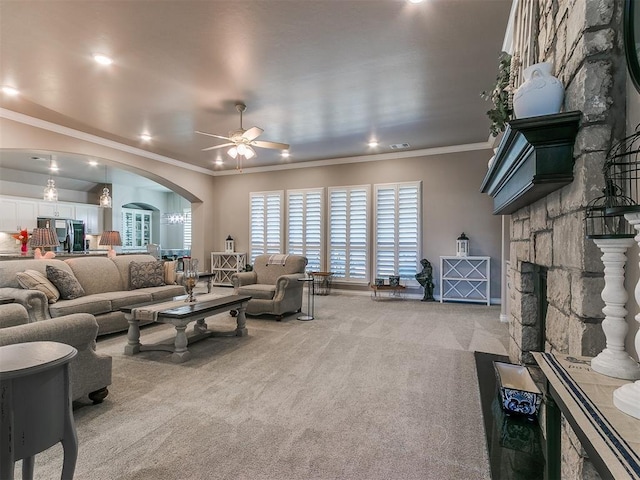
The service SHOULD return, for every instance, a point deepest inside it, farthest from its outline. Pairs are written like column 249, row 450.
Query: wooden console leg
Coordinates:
column 99, row 395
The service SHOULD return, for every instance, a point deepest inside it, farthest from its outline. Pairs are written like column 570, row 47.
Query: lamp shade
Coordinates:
column 110, row 237
column 44, row 237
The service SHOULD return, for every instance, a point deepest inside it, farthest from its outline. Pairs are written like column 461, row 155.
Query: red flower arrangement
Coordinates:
column 23, row 236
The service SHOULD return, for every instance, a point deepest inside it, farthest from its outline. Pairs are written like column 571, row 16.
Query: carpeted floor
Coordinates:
column 367, row 390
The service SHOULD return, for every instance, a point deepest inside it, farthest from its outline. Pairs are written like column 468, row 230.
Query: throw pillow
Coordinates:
column 170, row 272
column 65, row 282
column 146, row 274
column 34, row 280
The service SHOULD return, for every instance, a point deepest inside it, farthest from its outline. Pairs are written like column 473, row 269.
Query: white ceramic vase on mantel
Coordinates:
column 540, row 94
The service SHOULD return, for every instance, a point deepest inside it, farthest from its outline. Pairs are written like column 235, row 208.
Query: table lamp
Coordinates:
column 111, row 238
column 43, row 237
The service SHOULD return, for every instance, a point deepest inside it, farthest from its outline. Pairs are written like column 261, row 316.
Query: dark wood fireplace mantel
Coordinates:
column 534, row 158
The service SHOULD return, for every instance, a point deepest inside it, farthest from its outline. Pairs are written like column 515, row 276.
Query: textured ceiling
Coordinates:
column 322, row 76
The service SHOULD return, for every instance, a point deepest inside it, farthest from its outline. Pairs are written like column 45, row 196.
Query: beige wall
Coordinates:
column 452, row 201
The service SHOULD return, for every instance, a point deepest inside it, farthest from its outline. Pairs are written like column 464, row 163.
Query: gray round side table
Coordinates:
column 35, row 406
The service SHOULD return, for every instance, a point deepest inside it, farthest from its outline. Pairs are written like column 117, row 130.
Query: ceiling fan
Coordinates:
column 241, row 141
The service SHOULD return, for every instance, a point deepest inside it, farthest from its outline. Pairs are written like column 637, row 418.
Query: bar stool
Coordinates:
column 35, row 406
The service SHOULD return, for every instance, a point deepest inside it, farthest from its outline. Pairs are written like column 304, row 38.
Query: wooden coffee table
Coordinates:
column 180, row 316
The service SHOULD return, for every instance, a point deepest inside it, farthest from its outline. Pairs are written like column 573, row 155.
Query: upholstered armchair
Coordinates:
column 90, row 371
column 273, row 284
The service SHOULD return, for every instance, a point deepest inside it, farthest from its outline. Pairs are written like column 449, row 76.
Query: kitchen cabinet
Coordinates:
column 92, row 217
column 16, row 214
column 56, row 210
column 136, row 228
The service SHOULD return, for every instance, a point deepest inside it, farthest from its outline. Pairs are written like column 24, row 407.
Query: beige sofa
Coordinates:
column 90, row 371
column 273, row 284
column 106, row 284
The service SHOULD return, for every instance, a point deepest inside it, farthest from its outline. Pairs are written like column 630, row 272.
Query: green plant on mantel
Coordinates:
column 502, row 110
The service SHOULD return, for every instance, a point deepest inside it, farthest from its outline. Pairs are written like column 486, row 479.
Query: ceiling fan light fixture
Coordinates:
column 233, row 152
column 249, row 152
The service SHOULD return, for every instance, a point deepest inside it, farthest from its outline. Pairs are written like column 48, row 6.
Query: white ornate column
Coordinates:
column 627, row 397
column 614, row 361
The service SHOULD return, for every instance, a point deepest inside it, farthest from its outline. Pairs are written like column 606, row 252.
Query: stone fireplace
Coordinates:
column 583, row 41
column 556, row 273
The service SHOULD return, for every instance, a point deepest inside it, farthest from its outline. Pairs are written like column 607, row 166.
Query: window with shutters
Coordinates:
column 186, row 231
column 265, row 230
column 349, row 233
column 305, row 225
column 397, row 230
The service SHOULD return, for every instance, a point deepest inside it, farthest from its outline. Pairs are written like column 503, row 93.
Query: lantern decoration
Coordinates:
column 229, row 245
column 622, row 168
column 462, row 246
column 605, row 214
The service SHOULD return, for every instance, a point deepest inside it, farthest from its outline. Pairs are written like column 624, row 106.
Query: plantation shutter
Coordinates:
column 186, row 231
column 266, row 223
column 397, row 230
column 348, row 232
column 304, row 215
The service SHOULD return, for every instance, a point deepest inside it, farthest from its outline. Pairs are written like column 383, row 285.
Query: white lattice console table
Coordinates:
column 223, row 265
column 465, row 279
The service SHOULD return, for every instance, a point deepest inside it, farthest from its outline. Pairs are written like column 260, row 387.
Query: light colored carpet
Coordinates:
column 367, row 390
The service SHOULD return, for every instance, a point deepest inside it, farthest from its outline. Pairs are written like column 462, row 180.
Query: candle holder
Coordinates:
column 190, row 277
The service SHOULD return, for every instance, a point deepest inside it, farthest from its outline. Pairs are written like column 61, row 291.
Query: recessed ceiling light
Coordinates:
column 102, row 59
column 285, row 154
column 145, row 137
column 219, row 161
column 415, row 1
column 54, row 167
column 93, row 163
column 373, row 143
column 10, row 90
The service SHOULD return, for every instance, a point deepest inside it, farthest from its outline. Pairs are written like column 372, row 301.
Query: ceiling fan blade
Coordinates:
column 266, row 144
column 218, row 146
column 252, row 133
column 212, row 135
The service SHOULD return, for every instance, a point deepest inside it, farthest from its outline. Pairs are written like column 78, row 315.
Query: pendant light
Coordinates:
column 105, row 198
column 50, row 191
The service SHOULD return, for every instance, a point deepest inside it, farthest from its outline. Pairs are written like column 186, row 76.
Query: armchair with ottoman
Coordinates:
column 90, row 371
column 273, row 284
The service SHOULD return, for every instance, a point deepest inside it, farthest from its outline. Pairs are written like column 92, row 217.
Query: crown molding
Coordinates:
column 70, row 132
